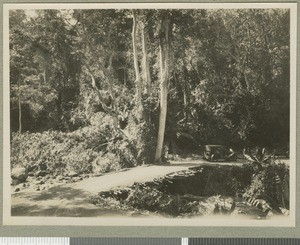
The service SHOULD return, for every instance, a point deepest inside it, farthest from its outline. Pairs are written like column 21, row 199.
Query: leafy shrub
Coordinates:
column 143, row 139
column 109, row 203
column 269, row 181
column 147, row 198
column 62, row 152
column 96, row 148
column 107, row 163
column 267, row 184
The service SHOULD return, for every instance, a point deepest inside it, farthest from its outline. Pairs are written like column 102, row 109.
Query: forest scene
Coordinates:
column 150, row 112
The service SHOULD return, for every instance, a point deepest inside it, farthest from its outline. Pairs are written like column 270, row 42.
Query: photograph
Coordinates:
column 149, row 114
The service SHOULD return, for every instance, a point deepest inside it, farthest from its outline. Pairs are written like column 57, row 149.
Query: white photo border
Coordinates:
column 99, row 221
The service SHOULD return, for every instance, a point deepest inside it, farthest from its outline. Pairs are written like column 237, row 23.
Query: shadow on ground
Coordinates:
column 63, row 201
column 73, row 200
column 54, row 211
column 60, row 192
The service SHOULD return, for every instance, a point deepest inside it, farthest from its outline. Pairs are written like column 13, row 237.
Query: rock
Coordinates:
column 19, row 175
column 24, row 185
column 38, row 189
column 32, row 168
column 17, row 189
column 14, row 182
column 44, row 188
column 31, row 174
column 41, row 173
column 136, row 213
column 41, row 183
column 72, row 174
column 76, row 179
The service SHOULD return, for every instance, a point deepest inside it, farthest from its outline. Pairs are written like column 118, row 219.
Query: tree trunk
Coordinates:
column 20, row 108
column 185, row 104
column 145, row 63
column 45, row 70
column 110, row 110
column 136, row 64
column 164, row 78
column 110, row 81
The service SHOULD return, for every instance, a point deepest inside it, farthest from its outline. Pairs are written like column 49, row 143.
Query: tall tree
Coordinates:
column 145, row 63
column 165, row 69
column 137, row 81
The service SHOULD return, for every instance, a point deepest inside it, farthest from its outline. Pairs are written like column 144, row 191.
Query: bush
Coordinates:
column 143, row 138
column 146, row 198
column 97, row 148
column 107, row 163
column 270, row 181
column 62, row 152
column 268, row 184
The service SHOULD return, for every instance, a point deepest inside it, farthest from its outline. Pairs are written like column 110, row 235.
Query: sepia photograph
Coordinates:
column 150, row 114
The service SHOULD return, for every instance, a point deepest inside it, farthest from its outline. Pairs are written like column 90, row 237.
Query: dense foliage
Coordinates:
column 84, row 105
column 208, row 190
column 270, row 180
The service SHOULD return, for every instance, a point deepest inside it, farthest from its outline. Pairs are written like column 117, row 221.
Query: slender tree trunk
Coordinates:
column 110, row 81
column 185, row 91
column 45, row 64
column 109, row 110
column 185, row 103
column 145, row 63
column 45, row 72
column 164, row 78
column 20, row 108
column 135, row 59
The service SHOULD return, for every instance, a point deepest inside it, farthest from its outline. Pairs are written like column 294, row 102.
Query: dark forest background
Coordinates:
column 89, row 88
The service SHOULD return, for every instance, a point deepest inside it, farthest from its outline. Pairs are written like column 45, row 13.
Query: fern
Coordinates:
column 269, row 189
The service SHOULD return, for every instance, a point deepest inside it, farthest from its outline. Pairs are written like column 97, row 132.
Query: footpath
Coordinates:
column 72, row 199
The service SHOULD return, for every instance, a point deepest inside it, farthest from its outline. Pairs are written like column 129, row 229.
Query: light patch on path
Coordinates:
column 72, row 200
column 126, row 178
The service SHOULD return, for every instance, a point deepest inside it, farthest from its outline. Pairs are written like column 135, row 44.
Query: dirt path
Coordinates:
column 126, row 178
column 73, row 199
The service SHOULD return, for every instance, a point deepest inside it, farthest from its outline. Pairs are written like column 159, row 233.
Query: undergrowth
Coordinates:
column 97, row 148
